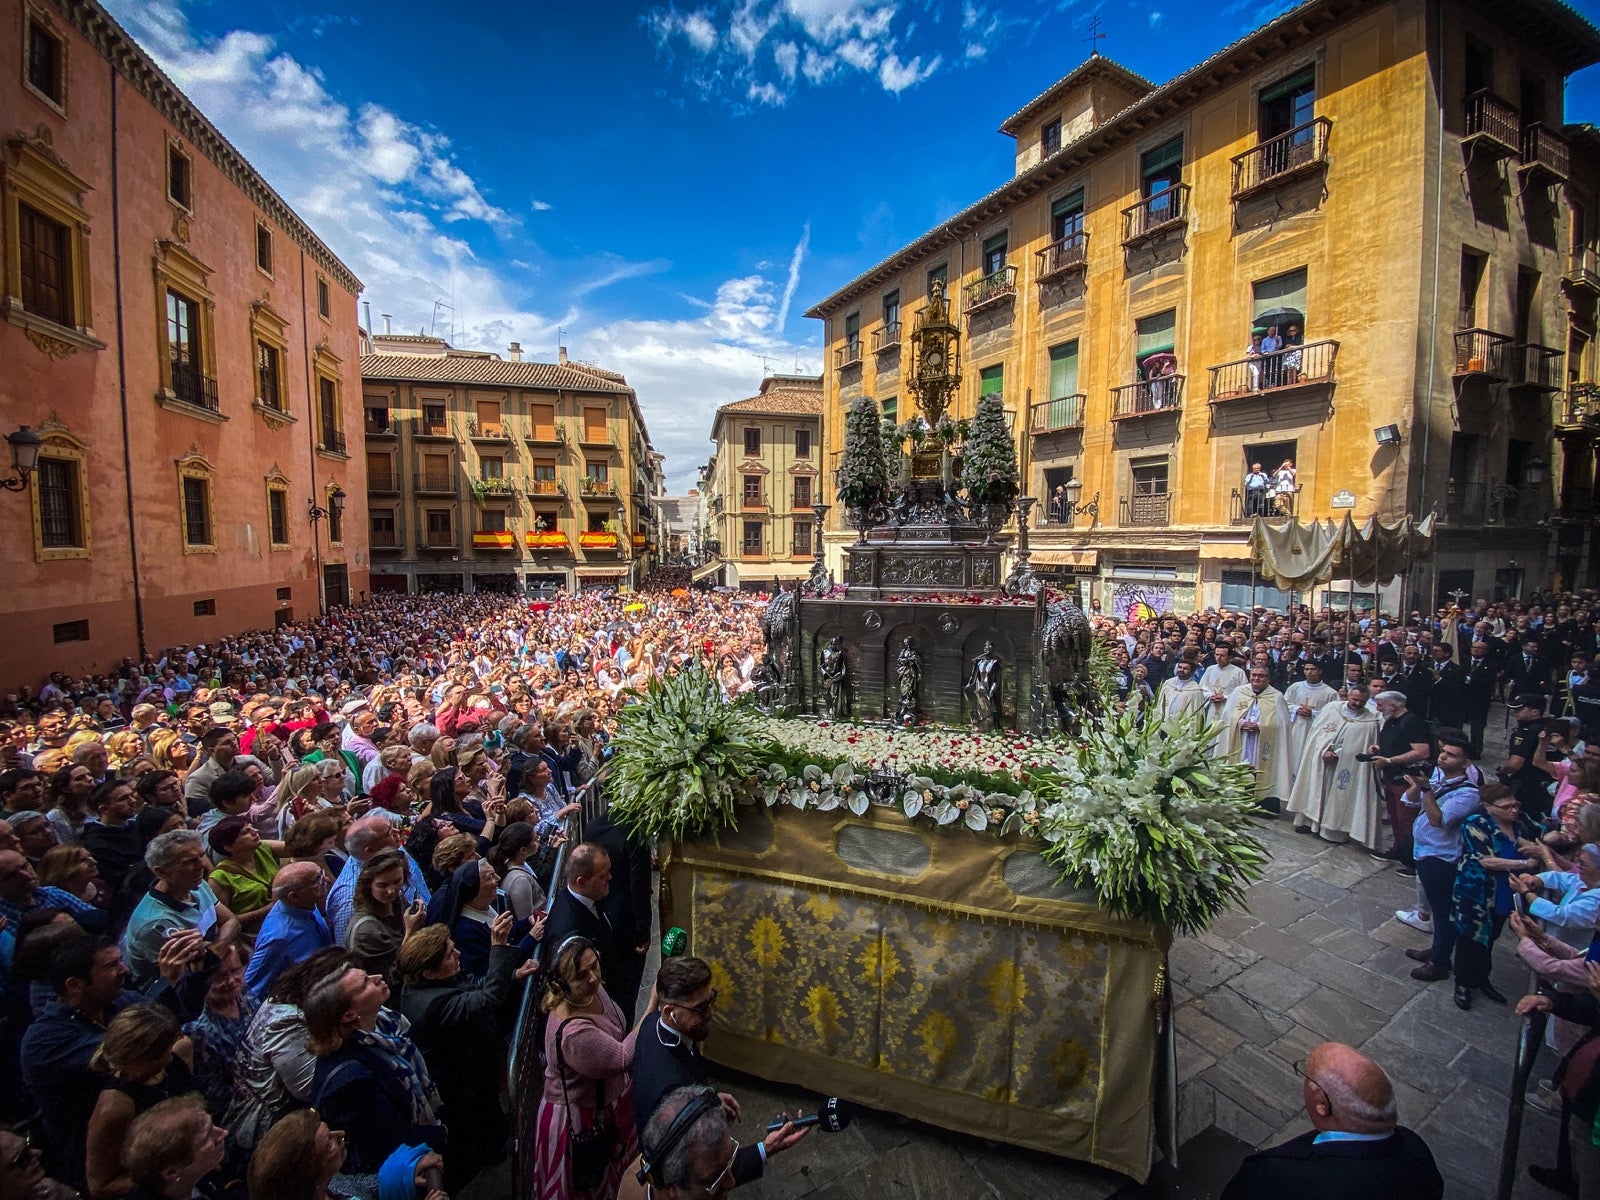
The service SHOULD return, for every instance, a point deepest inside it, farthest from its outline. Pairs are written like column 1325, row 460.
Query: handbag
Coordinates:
column 590, row 1150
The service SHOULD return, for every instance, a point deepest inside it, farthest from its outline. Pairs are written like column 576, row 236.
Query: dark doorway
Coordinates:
column 336, row 585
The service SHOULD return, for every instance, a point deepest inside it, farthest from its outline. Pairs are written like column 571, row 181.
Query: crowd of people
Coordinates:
column 266, row 902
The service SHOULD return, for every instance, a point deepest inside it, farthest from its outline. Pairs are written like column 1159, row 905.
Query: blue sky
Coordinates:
column 664, row 188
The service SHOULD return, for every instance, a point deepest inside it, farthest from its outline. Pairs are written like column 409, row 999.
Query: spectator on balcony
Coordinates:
column 1272, row 361
column 1293, row 340
column 1283, row 488
column 1058, row 503
column 1162, row 392
column 1252, row 354
column 1256, row 486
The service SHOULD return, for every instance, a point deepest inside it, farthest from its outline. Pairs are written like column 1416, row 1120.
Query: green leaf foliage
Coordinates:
column 863, row 473
column 989, row 462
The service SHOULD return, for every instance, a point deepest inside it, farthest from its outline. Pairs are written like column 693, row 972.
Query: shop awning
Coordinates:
column 600, row 572
column 706, row 572
column 1083, row 560
column 1227, row 551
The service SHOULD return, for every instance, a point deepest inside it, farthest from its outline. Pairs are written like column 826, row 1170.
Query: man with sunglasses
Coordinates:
column 1356, row 1149
column 667, row 1056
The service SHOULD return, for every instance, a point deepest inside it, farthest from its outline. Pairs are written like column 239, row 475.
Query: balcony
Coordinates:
column 1493, row 125
column 433, row 429
column 886, row 338
column 848, row 355
column 383, row 483
column 1166, row 210
column 599, row 540
column 1300, row 366
column 496, row 486
column 1545, row 154
column 991, row 290
column 546, row 435
column 1054, row 416
column 546, row 487
column 1303, row 148
column 1482, row 352
column 1583, row 272
column 547, row 541
column 1063, row 258
column 1535, row 367
column 332, row 441
column 597, row 489
column 436, row 483
column 384, row 539
column 1579, row 410
column 1272, row 505
column 597, row 436
column 1146, row 509
column 439, row 539
column 193, row 387
column 493, row 539
column 378, row 424
column 1162, row 394
column 496, row 432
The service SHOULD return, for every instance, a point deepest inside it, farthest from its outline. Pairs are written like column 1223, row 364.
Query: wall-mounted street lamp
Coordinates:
column 25, row 445
column 1074, row 493
column 335, row 505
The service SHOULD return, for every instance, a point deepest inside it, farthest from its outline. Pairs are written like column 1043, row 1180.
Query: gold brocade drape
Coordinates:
column 936, row 973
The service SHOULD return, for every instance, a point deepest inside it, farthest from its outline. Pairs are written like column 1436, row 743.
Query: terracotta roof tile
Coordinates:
column 432, row 368
column 783, row 402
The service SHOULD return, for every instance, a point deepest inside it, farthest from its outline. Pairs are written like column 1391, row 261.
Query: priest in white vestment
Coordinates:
column 1255, row 731
column 1306, row 698
column 1220, row 680
column 1181, row 694
column 1333, row 794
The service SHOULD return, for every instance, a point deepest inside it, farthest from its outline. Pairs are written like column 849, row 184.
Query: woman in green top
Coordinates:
column 244, row 870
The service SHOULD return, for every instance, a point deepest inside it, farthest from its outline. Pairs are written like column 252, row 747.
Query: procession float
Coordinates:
column 933, row 869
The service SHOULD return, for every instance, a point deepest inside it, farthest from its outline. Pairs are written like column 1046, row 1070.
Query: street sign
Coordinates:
column 1343, row 500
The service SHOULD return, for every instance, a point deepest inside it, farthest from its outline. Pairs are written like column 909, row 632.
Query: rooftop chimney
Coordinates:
column 515, row 350
column 561, row 355
column 387, row 330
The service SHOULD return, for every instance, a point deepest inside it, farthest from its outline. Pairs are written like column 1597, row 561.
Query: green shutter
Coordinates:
column 1157, row 333
column 992, row 380
column 1067, row 205
column 1064, row 370
column 1161, row 157
column 994, row 245
column 1281, row 291
column 1292, row 86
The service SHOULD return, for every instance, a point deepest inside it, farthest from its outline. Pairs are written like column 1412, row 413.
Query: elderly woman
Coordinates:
column 316, row 839
column 455, row 1018
column 170, row 752
column 588, row 1056
column 171, row 1148
column 147, row 1059
column 379, row 922
column 74, row 870
column 218, row 1033
column 1482, row 897
column 391, row 760
column 242, row 878
column 370, row 1078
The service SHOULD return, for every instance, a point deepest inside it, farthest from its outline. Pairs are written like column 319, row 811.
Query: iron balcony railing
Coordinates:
column 1493, row 121
column 848, row 355
column 436, row 481
column 1535, row 366
column 1060, row 258
column 800, row 548
column 1310, row 363
column 1052, row 416
column 436, row 538
column 1154, row 214
column 1583, row 270
column 545, row 487
column 598, row 487
column 333, row 441
column 384, row 539
column 1269, row 503
column 383, row 482
column 1544, row 148
column 1162, row 394
column 1464, row 502
column 1482, row 352
column 1580, row 406
column 1278, row 157
column 886, row 338
column 378, row 425
column 428, row 428
column 1144, row 508
column 991, row 289
column 192, row 386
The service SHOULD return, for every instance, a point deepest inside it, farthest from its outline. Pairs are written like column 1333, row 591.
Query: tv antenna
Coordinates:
column 1095, row 35
column 766, row 365
column 433, row 329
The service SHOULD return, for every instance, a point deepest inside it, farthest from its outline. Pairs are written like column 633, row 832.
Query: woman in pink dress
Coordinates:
column 587, row 1076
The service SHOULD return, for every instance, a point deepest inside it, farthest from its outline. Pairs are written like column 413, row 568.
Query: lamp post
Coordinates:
column 25, row 445
column 1091, row 509
column 316, row 512
column 1022, row 581
column 820, row 582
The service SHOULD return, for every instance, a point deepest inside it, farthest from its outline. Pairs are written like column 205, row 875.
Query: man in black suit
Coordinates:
column 1447, row 702
column 1414, row 678
column 1480, row 674
column 576, row 911
column 666, row 1057
column 626, row 906
column 1527, row 671
column 1356, row 1150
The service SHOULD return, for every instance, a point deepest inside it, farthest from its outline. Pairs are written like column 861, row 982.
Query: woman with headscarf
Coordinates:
column 455, row 1017
column 462, row 906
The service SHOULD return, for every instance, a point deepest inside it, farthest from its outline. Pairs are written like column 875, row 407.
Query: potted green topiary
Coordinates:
column 989, row 462
column 863, row 475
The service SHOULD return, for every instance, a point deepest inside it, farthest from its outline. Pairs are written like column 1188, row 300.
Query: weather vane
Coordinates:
column 1095, row 36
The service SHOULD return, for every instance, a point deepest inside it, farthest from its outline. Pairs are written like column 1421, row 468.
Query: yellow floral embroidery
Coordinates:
column 937, row 1033
column 1068, row 1065
column 823, row 906
column 822, row 1007
column 767, row 942
column 1006, row 987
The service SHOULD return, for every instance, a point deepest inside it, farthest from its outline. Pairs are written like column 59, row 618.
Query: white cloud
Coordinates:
column 393, row 200
column 1157, row 21
column 813, row 40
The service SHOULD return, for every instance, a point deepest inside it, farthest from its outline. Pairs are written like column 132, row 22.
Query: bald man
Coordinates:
column 1356, row 1150
column 294, row 928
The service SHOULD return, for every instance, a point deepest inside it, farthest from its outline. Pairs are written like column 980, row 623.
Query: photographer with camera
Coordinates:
column 1404, row 741
column 1443, row 796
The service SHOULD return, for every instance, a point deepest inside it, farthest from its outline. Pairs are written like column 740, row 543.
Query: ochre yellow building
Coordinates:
column 1389, row 175
column 762, row 481
column 492, row 474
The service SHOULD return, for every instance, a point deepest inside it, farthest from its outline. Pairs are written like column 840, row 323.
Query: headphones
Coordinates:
column 651, row 1157
column 584, row 943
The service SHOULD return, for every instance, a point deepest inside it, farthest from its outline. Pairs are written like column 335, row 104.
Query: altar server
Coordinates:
column 1182, row 694
column 1334, row 795
column 1306, row 698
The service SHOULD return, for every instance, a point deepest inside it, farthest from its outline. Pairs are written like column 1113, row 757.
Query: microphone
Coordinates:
column 832, row 1117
